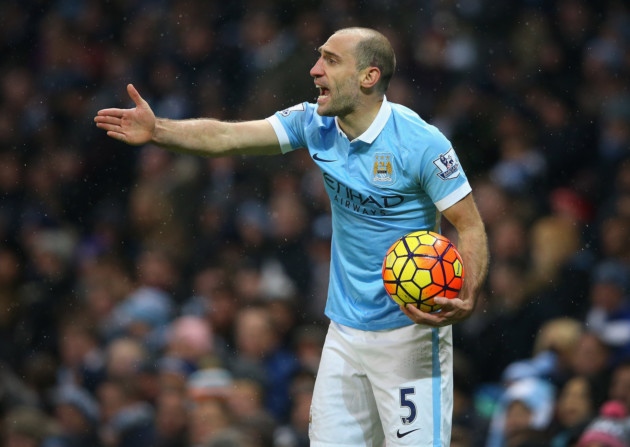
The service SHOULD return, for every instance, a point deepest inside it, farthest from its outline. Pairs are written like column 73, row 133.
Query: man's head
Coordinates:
column 373, row 49
column 354, row 63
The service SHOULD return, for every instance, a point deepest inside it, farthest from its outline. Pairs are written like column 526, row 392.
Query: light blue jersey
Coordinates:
column 395, row 178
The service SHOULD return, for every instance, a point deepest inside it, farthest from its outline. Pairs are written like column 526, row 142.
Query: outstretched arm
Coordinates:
column 472, row 245
column 206, row 137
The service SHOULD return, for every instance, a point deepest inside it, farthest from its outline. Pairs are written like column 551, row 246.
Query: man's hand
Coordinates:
column 453, row 310
column 132, row 126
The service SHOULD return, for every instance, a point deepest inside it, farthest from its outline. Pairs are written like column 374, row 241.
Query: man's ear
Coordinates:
column 370, row 77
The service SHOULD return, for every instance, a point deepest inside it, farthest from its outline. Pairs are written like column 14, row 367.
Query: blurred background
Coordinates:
column 154, row 299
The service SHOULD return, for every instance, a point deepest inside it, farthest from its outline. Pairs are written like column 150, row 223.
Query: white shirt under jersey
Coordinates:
column 395, row 178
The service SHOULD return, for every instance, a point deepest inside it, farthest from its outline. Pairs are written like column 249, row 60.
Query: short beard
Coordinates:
column 342, row 106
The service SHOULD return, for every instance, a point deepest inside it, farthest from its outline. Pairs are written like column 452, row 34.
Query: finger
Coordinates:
column 111, row 112
column 436, row 319
column 431, row 320
column 448, row 304
column 415, row 311
column 108, row 127
column 411, row 310
column 415, row 314
column 441, row 301
column 134, row 95
column 407, row 311
column 107, row 120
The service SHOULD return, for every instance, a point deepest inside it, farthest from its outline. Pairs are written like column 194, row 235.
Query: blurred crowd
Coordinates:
column 162, row 300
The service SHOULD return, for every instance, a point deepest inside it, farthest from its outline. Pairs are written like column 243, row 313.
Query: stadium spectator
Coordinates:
column 576, row 406
column 608, row 429
column 609, row 307
column 526, row 407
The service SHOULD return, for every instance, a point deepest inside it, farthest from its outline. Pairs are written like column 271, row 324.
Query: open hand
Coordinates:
column 132, row 126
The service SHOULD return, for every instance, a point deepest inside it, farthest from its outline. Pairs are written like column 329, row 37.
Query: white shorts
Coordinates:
column 377, row 387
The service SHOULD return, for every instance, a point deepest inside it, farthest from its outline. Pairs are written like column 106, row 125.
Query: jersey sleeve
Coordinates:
column 440, row 173
column 289, row 125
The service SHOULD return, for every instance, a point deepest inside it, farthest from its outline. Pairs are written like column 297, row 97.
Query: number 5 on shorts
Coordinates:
column 407, row 403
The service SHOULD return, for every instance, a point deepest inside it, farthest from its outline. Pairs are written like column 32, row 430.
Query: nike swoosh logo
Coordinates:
column 316, row 157
column 402, row 435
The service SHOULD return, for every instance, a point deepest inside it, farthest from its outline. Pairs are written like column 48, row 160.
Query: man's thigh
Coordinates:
column 343, row 411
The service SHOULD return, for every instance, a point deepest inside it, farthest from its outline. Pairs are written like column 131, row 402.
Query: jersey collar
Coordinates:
column 377, row 125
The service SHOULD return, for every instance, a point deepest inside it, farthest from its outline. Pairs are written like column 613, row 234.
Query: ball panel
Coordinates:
column 449, row 255
column 411, row 243
column 455, row 284
column 422, row 278
column 389, row 260
column 442, row 247
column 427, row 250
column 388, row 275
column 407, row 271
column 458, row 268
column 398, row 266
column 450, row 293
column 428, row 307
column 401, row 250
column 425, row 262
column 427, row 238
column 438, row 275
column 431, row 291
column 409, row 291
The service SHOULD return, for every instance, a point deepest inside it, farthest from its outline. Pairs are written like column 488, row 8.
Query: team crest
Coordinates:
column 295, row 108
column 448, row 165
column 383, row 172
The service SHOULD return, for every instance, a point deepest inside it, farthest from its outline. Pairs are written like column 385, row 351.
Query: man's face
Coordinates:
column 620, row 384
column 336, row 76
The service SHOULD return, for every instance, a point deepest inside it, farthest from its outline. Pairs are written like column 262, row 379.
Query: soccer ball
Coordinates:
column 420, row 266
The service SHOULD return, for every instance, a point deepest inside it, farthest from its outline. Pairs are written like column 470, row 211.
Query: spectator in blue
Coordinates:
column 609, row 311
